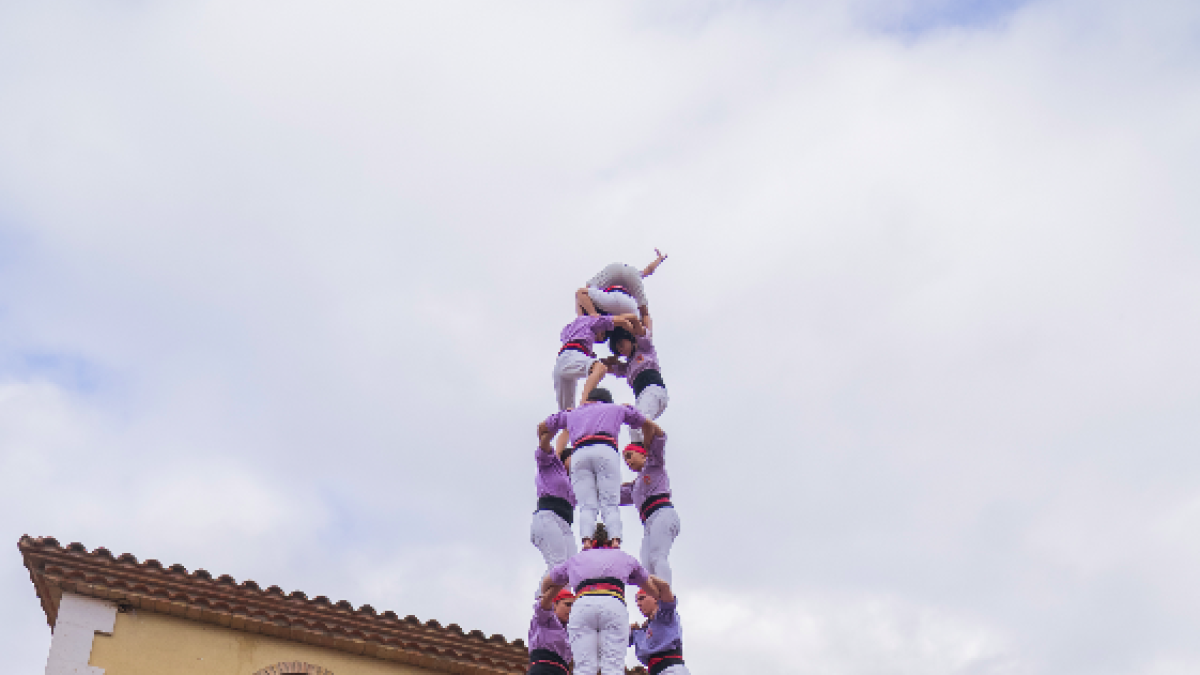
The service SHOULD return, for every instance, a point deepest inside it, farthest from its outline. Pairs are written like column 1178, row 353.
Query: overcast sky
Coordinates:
column 281, row 284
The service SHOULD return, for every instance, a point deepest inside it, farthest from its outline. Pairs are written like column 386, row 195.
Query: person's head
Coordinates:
column 635, row 457
column 620, row 342
column 646, row 604
column 600, row 538
column 600, row 394
column 566, row 457
column 562, row 605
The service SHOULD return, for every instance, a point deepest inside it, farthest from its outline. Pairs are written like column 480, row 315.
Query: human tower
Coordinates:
column 579, row 611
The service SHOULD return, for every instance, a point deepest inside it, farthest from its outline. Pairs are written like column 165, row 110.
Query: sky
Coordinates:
column 281, row 285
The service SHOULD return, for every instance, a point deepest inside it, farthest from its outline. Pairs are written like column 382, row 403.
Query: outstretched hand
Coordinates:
column 658, row 259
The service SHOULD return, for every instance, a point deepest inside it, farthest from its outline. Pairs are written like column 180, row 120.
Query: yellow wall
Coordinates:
column 145, row 643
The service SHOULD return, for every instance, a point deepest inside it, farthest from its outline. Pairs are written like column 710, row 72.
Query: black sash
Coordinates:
column 660, row 661
column 654, row 503
column 559, row 506
column 598, row 438
column 546, row 662
column 579, row 347
column 645, row 379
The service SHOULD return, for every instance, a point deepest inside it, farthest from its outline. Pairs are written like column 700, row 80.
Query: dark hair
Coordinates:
column 600, row 394
column 600, row 537
column 566, row 453
column 616, row 335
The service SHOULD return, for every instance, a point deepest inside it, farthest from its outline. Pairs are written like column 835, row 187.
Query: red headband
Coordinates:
column 635, row 448
column 563, row 595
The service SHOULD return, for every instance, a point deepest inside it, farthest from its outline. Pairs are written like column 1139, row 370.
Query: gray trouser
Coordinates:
column 652, row 403
column 596, row 479
column 599, row 635
column 570, row 367
column 553, row 537
column 661, row 528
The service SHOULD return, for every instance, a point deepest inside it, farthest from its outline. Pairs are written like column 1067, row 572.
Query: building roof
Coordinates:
column 198, row 596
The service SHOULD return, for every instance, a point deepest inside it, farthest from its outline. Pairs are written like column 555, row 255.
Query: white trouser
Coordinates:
column 596, row 479
column 553, row 537
column 680, row 669
column 599, row 635
column 652, row 402
column 613, row 302
column 570, row 367
column 659, row 534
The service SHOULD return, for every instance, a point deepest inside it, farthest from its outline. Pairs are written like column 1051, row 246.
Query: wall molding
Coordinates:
column 79, row 619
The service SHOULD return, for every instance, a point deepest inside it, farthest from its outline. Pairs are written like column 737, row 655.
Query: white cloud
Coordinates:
column 286, row 277
column 810, row 633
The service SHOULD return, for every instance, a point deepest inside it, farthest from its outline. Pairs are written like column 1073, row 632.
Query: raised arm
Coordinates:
column 664, row 589
column 631, row 323
column 647, row 321
column 549, row 590
column 649, row 431
column 545, row 435
column 598, row 371
column 659, row 258
column 651, row 587
column 583, row 303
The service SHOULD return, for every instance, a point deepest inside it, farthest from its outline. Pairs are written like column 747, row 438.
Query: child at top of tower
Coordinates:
column 617, row 289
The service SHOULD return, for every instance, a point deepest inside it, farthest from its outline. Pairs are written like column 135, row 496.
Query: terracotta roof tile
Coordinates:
column 173, row 590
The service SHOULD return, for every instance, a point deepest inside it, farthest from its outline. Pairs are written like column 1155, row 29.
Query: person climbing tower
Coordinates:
column 550, row 530
column 598, row 628
column 650, row 492
column 595, row 472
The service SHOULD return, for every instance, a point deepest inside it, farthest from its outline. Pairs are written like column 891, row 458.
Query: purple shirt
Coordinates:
column 583, row 329
column 552, row 478
column 594, row 417
column 662, row 632
column 596, row 563
column 644, row 358
column 547, row 632
column 652, row 479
